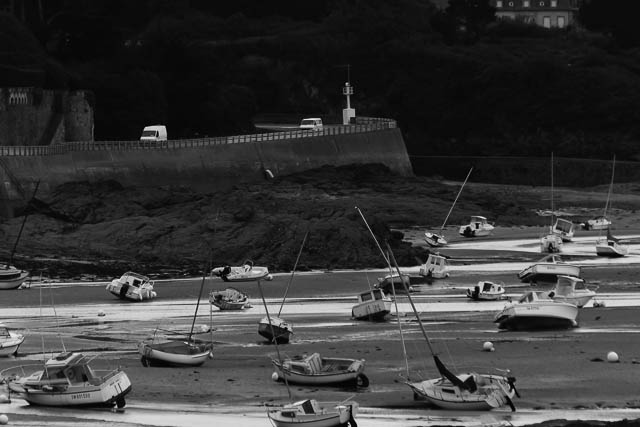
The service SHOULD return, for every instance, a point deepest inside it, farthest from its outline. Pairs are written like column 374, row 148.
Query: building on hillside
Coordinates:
column 545, row 13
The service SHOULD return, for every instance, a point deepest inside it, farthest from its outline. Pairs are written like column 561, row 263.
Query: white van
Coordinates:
column 312, row 123
column 154, row 133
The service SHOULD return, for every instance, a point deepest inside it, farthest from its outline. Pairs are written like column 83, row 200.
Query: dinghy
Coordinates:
column 438, row 239
column 9, row 341
column 486, row 291
column 372, row 305
column 317, row 370
column 548, row 269
column 229, row 299
column 311, row 413
column 244, row 273
column 536, row 310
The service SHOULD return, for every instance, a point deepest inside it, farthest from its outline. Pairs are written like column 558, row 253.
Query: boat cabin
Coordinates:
column 4, row 332
column 374, row 294
column 532, row 297
column 564, row 229
column 134, row 279
column 71, row 367
column 436, row 267
column 566, row 285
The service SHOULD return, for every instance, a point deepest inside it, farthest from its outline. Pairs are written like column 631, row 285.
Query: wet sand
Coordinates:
column 557, row 371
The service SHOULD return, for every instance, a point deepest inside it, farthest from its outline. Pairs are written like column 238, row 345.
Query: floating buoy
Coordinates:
column 101, row 313
column 612, row 357
column 275, row 376
column 488, row 346
column 4, row 419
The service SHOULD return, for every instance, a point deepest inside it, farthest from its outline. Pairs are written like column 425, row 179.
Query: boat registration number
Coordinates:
column 80, row 396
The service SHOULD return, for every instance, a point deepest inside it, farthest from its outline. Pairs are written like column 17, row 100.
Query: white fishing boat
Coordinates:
column 132, row 287
column 597, row 223
column 229, row 299
column 317, row 370
column 68, row 380
column 11, row 277
column 277, row 330
column 610, row 246
column 9, row 341
column 486, row 291
column 372, row 305
column 572, row 290
column 244, row 273
column 189, row 352
column 437, row 238
column 535, row 310
column 394, row 280
column 548, row 269
column 478, row 227
column 311, row 413
column 564, row 228
column 436, row 267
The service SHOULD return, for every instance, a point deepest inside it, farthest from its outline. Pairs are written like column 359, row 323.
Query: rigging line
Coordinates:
column 404, row 348
column 204, row 276
column 456, row 199
column 286, row 291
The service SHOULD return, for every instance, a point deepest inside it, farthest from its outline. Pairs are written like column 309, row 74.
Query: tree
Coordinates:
column 617, row 18
column 469, row 18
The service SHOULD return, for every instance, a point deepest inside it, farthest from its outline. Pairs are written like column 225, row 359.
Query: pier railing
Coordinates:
column 363, row 124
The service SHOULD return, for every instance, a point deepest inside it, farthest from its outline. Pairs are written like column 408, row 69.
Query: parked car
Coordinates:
column 312, row 123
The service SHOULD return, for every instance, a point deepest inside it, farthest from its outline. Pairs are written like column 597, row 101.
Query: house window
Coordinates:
column 525, row 3
column 499, row 3
column 561, row 22
column 554, row 3
column 546, row 22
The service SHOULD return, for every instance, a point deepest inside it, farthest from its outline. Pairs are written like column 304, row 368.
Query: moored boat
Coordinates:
column 278, row 330
column 548, row 269
column 610, row 246
column 572, row 290
column 311, row 413
column 174, row 353
column 597, row 223
column 396, row 281
column 244, row 273
column 535, row 310
column 68, row 380
column 436, row 267
column 12, row 277
column 478, row 227
column 9, row 341
column 132, row 287
column 564, row 228
column 317, row 370
column 229, row 299
column 486, row 291
column 372, row 305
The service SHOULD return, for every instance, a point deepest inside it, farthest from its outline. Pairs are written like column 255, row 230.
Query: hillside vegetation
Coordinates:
column 496, row 88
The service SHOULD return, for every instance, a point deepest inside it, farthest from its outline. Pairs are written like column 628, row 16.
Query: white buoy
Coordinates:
column 275, row 376
column 612, row 357
column 4, row 419
column 488, row 346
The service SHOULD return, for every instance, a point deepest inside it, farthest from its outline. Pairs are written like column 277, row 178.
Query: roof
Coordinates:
column 65, row 359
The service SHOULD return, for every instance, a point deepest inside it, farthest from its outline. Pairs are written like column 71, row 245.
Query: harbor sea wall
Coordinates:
column 199, row 164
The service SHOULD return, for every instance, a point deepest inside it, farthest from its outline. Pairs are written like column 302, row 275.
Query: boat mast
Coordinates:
column 613, row 172
column 286, row 291
column 456, row 199
column 552, row 211
column 204, row 276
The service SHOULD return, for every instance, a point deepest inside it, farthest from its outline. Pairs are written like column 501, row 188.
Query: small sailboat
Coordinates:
column 247, row 272
column 132, row 287
column 478, row 227
column 372, row 305
column 536, row 310
column 436, row 267
column 229, row 299
column 486, row 291
column 317, row 370
column 274, row 328
column 394, row 280
column 68, row 380
column 9, row 341
column 572, row 290
column 610, row 246
column 597, row 223
column 551, row 242
column 438, row 239
column 178, row 352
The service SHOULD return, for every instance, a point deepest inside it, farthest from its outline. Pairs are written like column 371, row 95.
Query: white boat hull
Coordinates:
column 375, row 310
column 131, row 294
column 10, row 346
column 111, row 392
column 343, row 371
column 13, row 282
column 174, row 354
column 540, row 315
column 611, row 249
column 494, row 393
column 435, row 240
column 548, row 271
column 336, row 416
column 551, row 243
